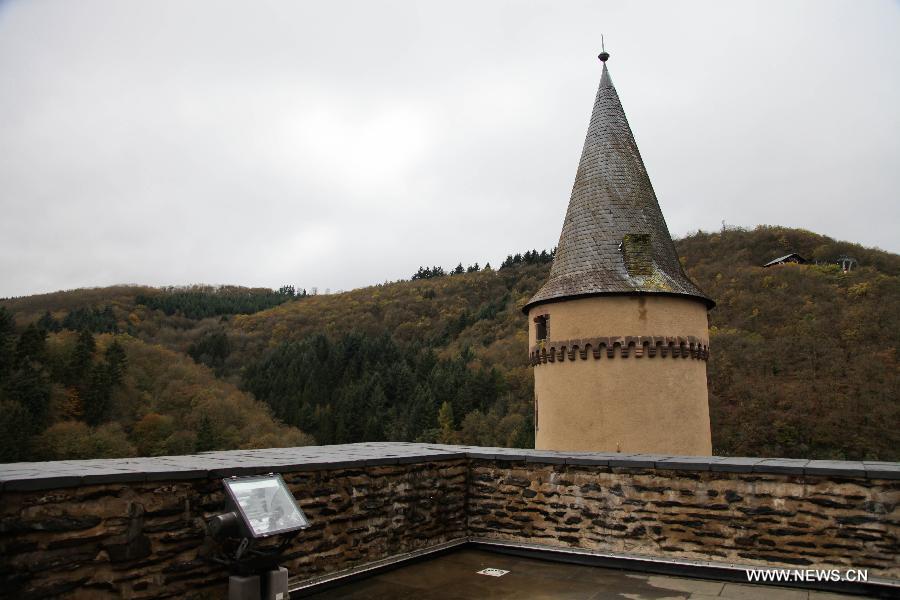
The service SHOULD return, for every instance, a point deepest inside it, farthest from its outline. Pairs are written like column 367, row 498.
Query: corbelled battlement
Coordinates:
column 134, row 528
column 621, row 346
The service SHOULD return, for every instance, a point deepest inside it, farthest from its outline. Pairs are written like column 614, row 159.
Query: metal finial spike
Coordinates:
column 604, row 55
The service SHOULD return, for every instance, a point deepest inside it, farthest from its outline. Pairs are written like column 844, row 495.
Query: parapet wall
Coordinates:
column 753, row 518
column 135, row 528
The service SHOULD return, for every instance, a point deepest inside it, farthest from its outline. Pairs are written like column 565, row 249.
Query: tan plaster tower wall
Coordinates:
column 629, row 404
column 621, row 363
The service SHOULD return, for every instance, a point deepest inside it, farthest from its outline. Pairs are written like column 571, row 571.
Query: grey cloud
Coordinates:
column 345, row 143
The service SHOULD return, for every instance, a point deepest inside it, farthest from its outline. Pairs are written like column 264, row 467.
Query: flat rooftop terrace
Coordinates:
column 454, row 576
column 405, row 520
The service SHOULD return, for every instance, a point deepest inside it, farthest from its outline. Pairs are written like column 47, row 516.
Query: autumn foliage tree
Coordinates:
column 803, row 358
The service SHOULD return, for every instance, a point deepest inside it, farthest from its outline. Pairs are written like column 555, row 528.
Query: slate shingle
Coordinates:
column 612, row 199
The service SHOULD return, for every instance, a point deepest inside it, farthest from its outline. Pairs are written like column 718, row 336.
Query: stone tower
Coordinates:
column 618, row 335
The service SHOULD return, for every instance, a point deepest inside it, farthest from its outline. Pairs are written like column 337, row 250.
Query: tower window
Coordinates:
column 540, row 326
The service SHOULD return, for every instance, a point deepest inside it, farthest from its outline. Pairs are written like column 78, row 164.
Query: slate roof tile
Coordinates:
column 612, row 199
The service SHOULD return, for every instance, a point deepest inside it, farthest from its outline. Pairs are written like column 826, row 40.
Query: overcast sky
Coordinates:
column 339, row 144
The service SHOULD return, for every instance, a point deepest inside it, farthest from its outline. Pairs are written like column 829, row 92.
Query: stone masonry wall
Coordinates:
column 147, row 540
column 747, row 518
column 134, row 528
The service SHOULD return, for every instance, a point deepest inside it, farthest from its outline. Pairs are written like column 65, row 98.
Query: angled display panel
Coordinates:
column 265, row 505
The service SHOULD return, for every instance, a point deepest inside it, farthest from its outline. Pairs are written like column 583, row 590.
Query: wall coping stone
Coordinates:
column 32, row 476
column 789, row 466
column 735, row 464
column 882, row 470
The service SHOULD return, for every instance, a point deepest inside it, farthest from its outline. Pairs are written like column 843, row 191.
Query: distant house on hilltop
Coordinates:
column 847, row 263
column 787, row 258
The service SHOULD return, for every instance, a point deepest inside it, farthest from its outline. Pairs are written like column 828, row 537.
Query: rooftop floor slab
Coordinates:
column 454, row 576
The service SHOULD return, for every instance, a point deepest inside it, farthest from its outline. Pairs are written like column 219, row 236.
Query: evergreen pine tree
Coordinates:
column 116, row 362
column 82, row 357
column 98, row 395
column 7, row 342
column 446, row 424
column 206, row 435
column 29, row 385
column 422, row 413
column 107, row 321
column 32, row 345
column 48, row 323
column 16, row 427
column 27, row 382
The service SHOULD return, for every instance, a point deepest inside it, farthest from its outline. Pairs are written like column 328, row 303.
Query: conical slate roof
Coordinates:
column 614, row 239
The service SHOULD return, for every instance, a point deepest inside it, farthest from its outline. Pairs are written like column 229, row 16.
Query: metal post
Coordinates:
column 243, row 588
column 276, row 585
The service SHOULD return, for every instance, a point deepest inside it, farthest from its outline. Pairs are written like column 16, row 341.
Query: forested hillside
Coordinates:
column 98, row 392
column 803, row 358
